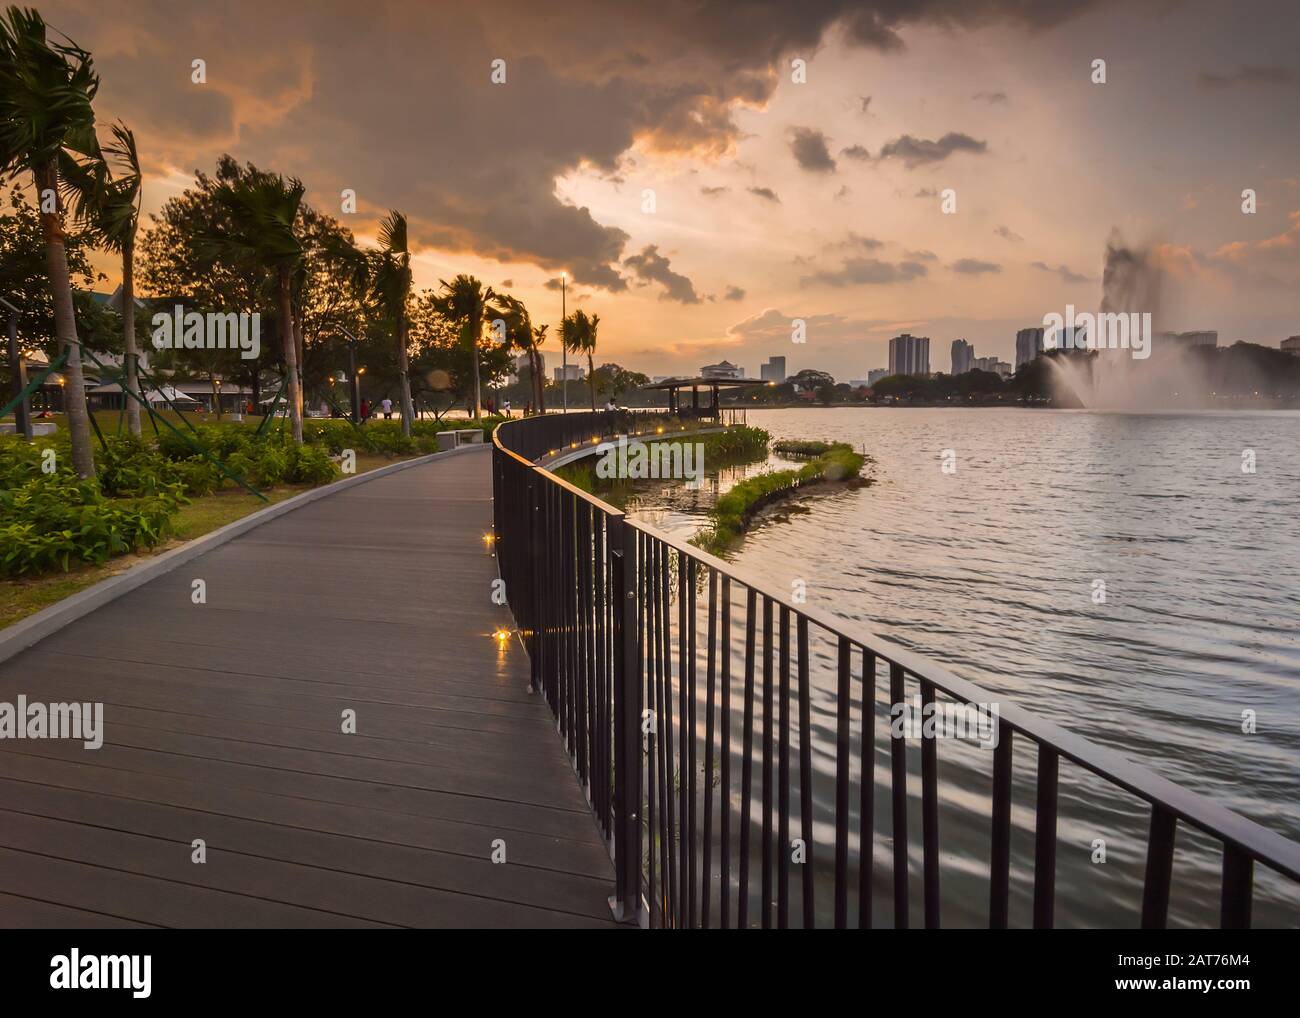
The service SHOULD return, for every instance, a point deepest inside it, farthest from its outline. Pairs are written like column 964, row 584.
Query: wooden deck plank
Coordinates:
column 222, row 721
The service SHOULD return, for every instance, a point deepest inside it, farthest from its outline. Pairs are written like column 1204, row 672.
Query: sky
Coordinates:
column 706, row 173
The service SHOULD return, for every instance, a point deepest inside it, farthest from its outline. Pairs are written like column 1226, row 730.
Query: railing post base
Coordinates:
column 638, row 918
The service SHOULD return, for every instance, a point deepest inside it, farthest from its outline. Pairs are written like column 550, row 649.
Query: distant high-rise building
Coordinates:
column 876, row 374
column 723, row 369
column 963, row 356
column 909, row 355
column 1029, row 344
column 1292, row 346
column 773, row 370
column 523, row 364
column 993, row 365
column 571, row 372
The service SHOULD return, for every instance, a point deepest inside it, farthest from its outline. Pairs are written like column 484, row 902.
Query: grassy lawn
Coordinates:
column 20, row 598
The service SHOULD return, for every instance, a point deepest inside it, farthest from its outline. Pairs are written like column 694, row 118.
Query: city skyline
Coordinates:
column 779, row 191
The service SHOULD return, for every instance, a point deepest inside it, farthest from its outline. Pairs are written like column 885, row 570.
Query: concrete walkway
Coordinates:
column 223, row 722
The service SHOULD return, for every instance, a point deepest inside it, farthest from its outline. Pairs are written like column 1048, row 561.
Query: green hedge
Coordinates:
column 52, row 521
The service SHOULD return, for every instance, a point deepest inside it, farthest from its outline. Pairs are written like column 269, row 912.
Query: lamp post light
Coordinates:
column 564, row 350
column 353, row 375
column 18, row 375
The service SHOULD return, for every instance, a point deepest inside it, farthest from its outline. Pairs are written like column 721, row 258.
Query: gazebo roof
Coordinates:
column 701, row 382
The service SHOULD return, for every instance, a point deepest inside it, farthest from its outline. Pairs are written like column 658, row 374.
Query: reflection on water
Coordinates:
column 994, row 571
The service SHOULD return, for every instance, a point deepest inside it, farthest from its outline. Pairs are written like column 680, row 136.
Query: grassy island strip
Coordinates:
column 732, row 513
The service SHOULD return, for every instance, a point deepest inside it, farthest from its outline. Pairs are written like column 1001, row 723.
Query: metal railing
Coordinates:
column 593, row 592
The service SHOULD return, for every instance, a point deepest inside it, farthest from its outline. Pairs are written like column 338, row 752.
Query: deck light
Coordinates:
column 501, row 635
column 488, row 538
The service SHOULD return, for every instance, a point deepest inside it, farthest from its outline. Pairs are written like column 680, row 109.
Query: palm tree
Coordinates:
column 467, row 301
column 110, row 206
column 261, row 212
column 46, row 90
column 535, row 359
column 521, row 335
column 578, row 333
column 392, row 289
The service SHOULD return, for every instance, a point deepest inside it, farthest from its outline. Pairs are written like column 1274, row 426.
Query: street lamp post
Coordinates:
column 17, row 375
column 563, row 347
column 564, row 350
column 352, row 375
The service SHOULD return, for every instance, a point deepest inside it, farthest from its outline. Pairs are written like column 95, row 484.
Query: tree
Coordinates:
column 24, row 273
column 46, row 90
column 391, row 292
column 110, row 206
column 578, row 333
column 468, row 303
column 521, row 335
column 260, row 227
column 616, row 380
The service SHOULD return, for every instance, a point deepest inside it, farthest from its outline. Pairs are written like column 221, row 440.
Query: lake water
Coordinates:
column 994, row 569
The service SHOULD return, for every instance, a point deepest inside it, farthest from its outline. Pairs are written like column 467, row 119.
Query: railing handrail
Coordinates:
column 1260, row 843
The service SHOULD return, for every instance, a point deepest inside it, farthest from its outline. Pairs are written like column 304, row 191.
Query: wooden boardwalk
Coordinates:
column 223, row 722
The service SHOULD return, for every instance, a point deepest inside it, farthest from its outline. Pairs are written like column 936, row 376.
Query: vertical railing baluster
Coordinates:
column 724, row 793
column 747, row 763
column 768, row 721
column 783, row 780
column 651, row 650
column 930, row 814
column 710, row 675
column 1238, row 889
column 898, row 796
column 1045, row 839
column 1000, row 855
column 692, row 896
column 1160, row 867
column 672, row 799
column 843, row 703
column 805, row 775
column 866, row 789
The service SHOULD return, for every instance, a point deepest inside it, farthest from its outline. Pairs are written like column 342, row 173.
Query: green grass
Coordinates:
column 23, row 597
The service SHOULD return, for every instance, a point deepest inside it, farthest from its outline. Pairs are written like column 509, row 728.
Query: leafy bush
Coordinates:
column 53, row 521
column 310, row 464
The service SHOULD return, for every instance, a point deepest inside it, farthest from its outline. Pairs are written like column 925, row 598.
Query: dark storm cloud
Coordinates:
column 766, row 193
column 810, row 150
column 1006, row 233
column 974, row 267
column 734, row 293
column 652, row 267
column 857, row 152
column 865, row 272
column 395, row 99
column 713, row 192
column 1250, row 74
column 919, row 151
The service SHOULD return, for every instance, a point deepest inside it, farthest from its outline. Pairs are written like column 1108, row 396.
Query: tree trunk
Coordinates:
column 216, row 393
column 65, row 328
column 404, row 375
column 301, row 347
column 591, row 380
column 538, row 381
column 128, row 337
column 290, row 357
column 473, row 359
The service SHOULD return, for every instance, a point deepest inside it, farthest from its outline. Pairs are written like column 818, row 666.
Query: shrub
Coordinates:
column 52, row 521
column 310, row 464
